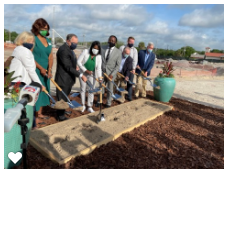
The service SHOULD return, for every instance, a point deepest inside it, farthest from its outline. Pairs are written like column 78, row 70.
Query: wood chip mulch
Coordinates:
column 191, row 136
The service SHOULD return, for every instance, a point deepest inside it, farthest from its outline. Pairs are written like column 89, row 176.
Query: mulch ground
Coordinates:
column 191, row 136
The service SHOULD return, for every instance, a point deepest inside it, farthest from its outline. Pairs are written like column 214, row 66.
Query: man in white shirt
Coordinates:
column 134, row 56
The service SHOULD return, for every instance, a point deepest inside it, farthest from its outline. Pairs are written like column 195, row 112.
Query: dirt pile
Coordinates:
column 61, row 105
column 220, row 71
column 181, row 63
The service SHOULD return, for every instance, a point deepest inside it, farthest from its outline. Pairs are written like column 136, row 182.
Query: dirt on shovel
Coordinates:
column 61, row 105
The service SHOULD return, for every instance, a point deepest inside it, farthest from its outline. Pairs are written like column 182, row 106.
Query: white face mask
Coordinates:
column 95, row 51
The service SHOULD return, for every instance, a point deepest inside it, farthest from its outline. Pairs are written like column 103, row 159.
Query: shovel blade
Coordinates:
column 132, row 83
column 94, row 90
column 116, row 96
column 74, row 104
column 74, row 94
column 120, row 89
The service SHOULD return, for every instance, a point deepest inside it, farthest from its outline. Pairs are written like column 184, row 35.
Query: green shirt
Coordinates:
column 90, row 64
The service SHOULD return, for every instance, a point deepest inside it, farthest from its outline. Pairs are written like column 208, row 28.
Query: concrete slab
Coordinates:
column 80, row 136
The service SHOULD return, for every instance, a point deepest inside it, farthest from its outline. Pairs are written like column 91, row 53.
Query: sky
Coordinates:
column 169, row 26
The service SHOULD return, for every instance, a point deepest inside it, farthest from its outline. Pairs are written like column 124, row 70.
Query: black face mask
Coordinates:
column 130, row 45
column 28, row 45
column 111, row 44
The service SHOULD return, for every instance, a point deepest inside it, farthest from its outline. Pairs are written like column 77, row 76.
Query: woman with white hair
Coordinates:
column 145, row 64
column 23, row 63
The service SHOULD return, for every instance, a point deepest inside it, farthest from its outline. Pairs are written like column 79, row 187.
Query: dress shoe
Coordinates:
column 62, row 118
column 127, row 98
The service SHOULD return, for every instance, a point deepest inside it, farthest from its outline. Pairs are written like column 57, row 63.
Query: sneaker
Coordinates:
column 83, row 108
column 90, row 110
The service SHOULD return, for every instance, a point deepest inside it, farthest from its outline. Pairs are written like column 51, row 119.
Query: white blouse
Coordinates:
column 24, row 66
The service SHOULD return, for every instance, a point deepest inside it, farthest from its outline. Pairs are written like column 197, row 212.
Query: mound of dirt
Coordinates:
column 61, row 105
column 220, row 71
column 182, row 63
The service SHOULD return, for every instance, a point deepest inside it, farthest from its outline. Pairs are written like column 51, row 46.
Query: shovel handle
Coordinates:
column 45, row 91
column 107, row 77
column 101, row 84
column 56, row 84
column 120, row 75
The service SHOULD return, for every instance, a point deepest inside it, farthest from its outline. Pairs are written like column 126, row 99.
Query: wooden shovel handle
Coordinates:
column 107, row 77
column 101, row 84
column 120, row 75
column 56, row 84
column 45, row 91
column 143, row 73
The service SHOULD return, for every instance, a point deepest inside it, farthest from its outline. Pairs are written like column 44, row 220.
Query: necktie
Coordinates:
column 108, row 54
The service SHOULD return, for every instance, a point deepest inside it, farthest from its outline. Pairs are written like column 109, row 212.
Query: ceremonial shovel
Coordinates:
column 132, row 83
column 72, row 104
column 146, row 78
column 115, row 96
column 117, row 88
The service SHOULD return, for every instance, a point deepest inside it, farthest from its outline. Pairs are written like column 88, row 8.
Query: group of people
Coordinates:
column 33, row 61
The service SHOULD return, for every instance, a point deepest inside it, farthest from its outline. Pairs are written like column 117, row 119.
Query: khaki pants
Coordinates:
column 140, row 83
column 121, row 84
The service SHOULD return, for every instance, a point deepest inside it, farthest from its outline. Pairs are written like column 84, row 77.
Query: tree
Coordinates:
column 58, row 40
column 187, row 51
column 217, row 51
column 5, row 36
column 141, row 46
column 177, row 53
column 13, row 36
column 119, row 44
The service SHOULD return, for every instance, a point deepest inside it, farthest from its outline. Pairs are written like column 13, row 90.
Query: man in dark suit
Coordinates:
column 125, row 69
column 145, row 63
column 67, row 70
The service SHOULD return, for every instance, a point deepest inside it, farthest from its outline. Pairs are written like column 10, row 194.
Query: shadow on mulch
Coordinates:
column 189, row 136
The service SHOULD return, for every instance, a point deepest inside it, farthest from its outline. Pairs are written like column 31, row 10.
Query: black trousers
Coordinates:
column 60, row 96
column 129, row 86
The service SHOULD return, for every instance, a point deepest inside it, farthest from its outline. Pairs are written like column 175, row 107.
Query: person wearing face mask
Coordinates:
column 111, row 59
column 43, row 55
column 89, row 63
column 134, row 56
column 23, row 63
column 66, row 70
column 145, row 63
column 125, row 69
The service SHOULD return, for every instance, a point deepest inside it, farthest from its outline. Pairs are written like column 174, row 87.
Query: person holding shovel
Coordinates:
column 89, row 63
column 66, row 71
column 125, row 69
column 145, row 63
column 134, row 56
column 111, row 60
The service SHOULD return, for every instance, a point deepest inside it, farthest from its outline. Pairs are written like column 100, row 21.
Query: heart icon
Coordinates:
column 14, row 157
